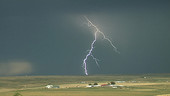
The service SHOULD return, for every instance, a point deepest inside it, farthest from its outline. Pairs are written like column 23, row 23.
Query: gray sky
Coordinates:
column 50, row 37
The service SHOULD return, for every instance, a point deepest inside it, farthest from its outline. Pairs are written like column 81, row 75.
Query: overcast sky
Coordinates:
column 51, row 37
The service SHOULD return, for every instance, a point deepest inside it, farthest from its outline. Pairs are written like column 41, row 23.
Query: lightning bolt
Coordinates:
column 96, row 31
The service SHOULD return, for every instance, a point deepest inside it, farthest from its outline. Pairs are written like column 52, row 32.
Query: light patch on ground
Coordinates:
column 144, row 89
column 164, row 95
column 6, row 90
column 72, row 85
column 142, row 84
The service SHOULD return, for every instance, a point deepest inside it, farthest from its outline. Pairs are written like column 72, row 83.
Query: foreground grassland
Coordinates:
column 134, row 85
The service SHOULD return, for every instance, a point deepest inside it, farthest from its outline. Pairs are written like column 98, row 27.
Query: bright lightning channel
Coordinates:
column 96, row 31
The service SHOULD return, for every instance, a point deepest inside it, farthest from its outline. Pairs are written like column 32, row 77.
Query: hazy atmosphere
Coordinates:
column 51, row 37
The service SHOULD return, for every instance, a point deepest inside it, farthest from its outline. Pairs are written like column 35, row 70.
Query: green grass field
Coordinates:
column 134, row 85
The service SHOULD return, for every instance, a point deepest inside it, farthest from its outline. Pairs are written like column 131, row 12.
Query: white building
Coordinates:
column 49, row 86
column 93, row 85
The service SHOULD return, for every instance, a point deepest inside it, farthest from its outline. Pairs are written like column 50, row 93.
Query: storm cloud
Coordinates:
column 15, row 68
column 53, row 34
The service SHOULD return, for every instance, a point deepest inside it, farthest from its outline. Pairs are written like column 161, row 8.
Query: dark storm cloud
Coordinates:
column 52, row 35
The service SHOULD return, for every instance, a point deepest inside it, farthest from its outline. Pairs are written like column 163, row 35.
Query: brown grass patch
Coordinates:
column 6, row 90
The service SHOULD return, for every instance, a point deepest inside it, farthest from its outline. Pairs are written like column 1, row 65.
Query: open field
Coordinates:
column 134, row 85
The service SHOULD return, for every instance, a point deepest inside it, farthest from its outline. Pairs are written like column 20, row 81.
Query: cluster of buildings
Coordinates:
column 105, row 85
column 111, row 84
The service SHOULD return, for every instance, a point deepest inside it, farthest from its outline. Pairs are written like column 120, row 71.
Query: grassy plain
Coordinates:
column 134, row 85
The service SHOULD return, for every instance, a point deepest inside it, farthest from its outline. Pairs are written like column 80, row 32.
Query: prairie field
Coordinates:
column 133, row 85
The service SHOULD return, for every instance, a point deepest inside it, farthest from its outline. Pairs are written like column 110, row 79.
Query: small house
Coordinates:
column 49, row 86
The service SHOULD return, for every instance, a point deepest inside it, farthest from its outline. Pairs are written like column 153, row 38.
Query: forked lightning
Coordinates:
column 96, row 31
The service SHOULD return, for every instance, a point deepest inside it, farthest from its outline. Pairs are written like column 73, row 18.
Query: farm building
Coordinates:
column 113, row 86
column 52, row 86
column 105, row 85
column 93, row 85
column 49, row 86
